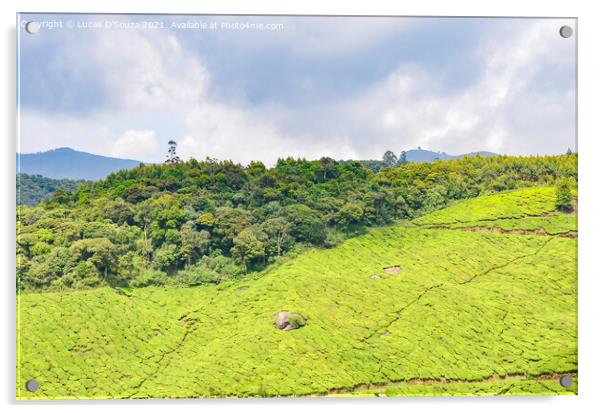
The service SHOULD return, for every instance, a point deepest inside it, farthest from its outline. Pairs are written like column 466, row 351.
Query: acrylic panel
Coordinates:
column 292, row 206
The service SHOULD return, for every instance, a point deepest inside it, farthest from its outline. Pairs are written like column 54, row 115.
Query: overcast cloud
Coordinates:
column 344, row 88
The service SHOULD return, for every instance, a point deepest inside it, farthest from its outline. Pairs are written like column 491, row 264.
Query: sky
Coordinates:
column 263, row 87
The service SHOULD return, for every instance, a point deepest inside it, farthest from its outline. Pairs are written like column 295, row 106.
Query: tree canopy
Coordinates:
column 206, row 221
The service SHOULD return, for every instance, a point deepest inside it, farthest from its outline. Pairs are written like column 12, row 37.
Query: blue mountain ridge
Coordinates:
column 71, row 164
column 423, row 155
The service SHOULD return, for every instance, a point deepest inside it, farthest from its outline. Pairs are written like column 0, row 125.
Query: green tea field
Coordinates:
column 482, row 300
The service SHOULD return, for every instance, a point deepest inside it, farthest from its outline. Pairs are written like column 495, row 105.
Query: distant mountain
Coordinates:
column 422, row 155
column 71, row 164
column 33, row 189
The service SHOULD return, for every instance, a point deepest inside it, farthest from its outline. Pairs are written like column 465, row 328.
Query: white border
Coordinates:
column 590, row 205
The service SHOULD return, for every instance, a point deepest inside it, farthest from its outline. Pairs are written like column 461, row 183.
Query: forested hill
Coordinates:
column 33, row 189
column 67, row 163
column 198, row 222
column 418, row 155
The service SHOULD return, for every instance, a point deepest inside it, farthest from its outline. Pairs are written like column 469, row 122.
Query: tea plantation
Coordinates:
column 488, row 311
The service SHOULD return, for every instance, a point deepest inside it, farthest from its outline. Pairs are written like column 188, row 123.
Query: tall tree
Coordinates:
column 327, row 168
column 390, row 159
column 172, row 156
column 278, row 231
column 100, row 252
column 402, row 158
column 247, row 247
column 194, row 243
column 564, row 199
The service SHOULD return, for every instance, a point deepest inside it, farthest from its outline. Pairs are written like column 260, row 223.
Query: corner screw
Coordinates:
column 566, row 31
column 566, row 381
column 32, row 385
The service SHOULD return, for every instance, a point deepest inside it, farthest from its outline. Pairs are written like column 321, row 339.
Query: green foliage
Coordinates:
column 99, row 252
column 390, row 159
column 248, row 246
column 350, row 215
column 168, row 218
column 33, row 189
column 508, row 205
column 118, row 211
column 564, row 198
column 528, row 210
column 40, row 248
column 466, row 308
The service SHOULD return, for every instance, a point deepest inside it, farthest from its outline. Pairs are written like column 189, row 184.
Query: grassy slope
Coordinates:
column 465, row 306
column 512, row 204
column 524, row 210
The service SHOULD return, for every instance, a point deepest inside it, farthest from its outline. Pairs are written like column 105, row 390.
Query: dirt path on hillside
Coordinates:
column 382, row 387
column 497, row 230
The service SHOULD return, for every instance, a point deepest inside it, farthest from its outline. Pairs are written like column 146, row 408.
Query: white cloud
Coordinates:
column 506, row 110
column 40, row 132
column 150, row 76
column 150, row 71
column 136, row 144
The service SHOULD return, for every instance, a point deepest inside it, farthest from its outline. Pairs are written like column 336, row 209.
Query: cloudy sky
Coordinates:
column 259, row 88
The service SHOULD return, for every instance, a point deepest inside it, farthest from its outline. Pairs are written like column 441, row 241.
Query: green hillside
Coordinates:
column 469, row 312
column 33, row 189
column 529, row 210
column 206, row 222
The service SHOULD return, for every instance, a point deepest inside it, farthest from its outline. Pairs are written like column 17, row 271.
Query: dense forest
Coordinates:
column 33, row 189
column 196, row 222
